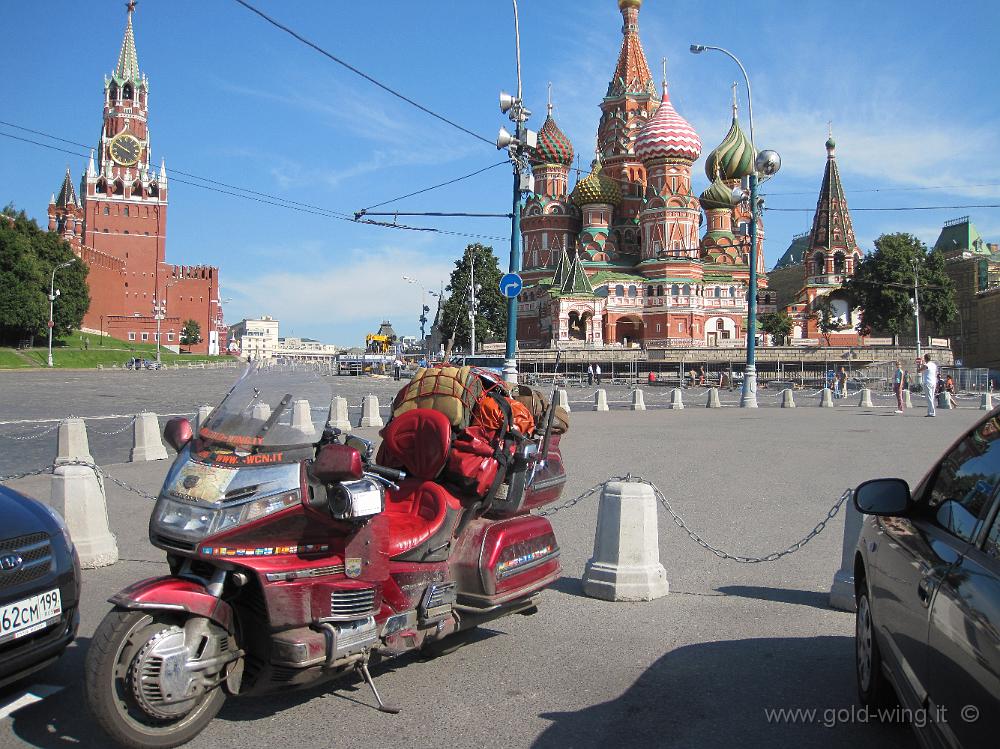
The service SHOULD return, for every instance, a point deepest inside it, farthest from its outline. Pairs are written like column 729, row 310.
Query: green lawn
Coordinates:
column 87, row 351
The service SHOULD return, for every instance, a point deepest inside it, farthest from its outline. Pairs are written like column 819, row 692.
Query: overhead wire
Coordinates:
column 356, row 71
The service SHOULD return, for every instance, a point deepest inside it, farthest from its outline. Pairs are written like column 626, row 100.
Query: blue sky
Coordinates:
column 909, row 87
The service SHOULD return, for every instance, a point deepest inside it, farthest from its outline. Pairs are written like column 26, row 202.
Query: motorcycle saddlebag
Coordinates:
column 471, row 466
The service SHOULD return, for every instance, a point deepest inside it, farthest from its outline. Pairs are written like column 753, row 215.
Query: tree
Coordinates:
column 826, row 319
column 883, row 286
column 191, row 333
column 777, row 324
column 491, row 312
column 27, row 256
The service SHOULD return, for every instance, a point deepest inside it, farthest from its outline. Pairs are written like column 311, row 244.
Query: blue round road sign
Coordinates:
column 511, row 285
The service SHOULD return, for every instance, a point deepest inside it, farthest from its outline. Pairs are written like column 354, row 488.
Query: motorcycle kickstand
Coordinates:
column 382, row 706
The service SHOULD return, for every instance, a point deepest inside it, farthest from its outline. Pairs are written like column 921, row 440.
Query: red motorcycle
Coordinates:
column 297, row 556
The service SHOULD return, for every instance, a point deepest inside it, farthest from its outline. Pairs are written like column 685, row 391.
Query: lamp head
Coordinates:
column 697, row 49
column 768, row 163
column 739, row 195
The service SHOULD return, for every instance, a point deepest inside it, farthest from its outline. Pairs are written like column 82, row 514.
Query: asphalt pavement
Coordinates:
column 700, row 667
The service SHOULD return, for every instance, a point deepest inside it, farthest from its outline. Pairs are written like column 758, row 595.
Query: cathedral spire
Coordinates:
column 832, row 230
column 632, row 74
column 127, row 68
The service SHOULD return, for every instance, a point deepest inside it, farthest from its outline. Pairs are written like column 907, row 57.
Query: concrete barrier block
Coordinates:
column 787, row 398
column 907, row 401
column 826, row 399
column 338, row 418
column 626, row 561
column 601, row 400
column 944, row 402
column 866, row 399
column 842, row 591
column 676, row 399
column 986, row 402
column 713, row 399
column 261, row 411
column 203, row 413
column 302, row 418
column 78, row 496
column 562, row 399
column 146, row 442
column 370, row 414
column 638, row 400
column 73, row 443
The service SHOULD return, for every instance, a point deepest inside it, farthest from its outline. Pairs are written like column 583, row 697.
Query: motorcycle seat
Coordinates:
column 418, row 442
column 416, row 513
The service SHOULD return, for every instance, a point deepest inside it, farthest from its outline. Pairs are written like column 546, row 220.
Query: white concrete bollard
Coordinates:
column 370, row 414
column 73, row 443
column 826, row 399
column 866, row 399
column 203, row 413
column 986, row 403
column 338, row 418
column 713, row 399
column 842, row 591
column 676, row 399
column 562, row 399
column 787, row 398
column 907, row 402
column 944, row 402
column 79, row 497
column 146, row 442
column 261, row 411
column 302, row 418
column 638, row 400
column 626, row 561
column 601, row 400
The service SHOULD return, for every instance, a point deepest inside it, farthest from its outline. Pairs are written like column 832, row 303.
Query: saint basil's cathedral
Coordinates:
column 117, row 225
column 618, row 259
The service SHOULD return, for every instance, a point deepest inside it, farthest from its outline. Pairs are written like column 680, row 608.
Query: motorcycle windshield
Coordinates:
column 270, row 407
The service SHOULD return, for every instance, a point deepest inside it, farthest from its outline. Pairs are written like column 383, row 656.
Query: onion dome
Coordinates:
column 623, row 4
column 667, row 135
column 734, row 157
column 596, row 188
column 717, row 196
column 553, row 145
column 831, row 144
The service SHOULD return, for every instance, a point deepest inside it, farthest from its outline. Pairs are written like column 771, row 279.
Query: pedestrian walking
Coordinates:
column 652, row 377
column 898, row 383
column 590, row 374
column 929, row 372
column 597, row 373
column 397, row 365
column 841, row 384
column 949, row 389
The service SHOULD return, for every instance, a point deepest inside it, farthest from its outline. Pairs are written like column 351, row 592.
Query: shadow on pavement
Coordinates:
column 717, row 694
column 571, row 586
column 812, row 598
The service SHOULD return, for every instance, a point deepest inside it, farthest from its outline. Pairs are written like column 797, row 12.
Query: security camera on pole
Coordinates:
column 766, row 165
column 518, row 146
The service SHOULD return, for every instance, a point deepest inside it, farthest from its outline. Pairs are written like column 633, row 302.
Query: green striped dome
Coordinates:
column 596, row 188
column 733, row 158
column 553, row 145
column 717, row 196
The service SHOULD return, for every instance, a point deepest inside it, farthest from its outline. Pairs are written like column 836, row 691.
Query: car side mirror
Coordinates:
column 336, row 462
column 883, row 497
column 178, row 432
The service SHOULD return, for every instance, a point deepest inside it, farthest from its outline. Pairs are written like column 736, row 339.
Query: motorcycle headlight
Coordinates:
column 233, row 516
column 183, row 520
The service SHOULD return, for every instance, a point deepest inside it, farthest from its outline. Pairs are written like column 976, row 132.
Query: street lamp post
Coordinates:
column 916, row 302
column 424, row 309
column 53, row 293
column 159, row 310
column 517, row 146
column 767, row 163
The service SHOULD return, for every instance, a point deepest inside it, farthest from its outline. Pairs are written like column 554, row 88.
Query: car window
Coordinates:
column 992, row 545
column 961, row 491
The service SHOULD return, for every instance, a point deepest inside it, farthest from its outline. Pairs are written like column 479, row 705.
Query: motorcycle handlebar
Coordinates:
column 385, row 472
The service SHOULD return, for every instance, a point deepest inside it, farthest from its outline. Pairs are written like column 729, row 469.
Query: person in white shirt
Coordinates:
column 929, row 370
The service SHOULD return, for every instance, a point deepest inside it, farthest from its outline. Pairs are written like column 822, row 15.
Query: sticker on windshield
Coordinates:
column 198, row 481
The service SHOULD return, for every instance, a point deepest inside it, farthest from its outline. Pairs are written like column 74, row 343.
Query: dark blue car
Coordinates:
column 39, row 586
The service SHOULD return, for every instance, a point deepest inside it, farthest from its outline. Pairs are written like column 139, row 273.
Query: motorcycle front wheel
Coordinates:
column 128, row 688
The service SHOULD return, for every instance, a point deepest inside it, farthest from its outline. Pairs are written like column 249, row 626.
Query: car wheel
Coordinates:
column 874, row 689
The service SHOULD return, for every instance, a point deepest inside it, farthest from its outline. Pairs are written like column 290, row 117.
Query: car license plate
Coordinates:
column 29, row 615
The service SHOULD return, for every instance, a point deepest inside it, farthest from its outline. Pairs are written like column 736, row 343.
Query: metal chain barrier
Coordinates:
column 128, row 424
column 694, row 535
column 101, row 476
column 33, row 436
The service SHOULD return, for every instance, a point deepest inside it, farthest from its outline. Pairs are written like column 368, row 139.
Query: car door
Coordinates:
column 963, row 644
column 915, row 553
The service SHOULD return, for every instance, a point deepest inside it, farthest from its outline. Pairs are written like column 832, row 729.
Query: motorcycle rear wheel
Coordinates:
column 111, row 688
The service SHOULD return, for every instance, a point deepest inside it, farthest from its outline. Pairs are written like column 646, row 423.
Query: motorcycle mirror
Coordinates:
column 337, row 463
column 363, row 446
column 178, row 432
